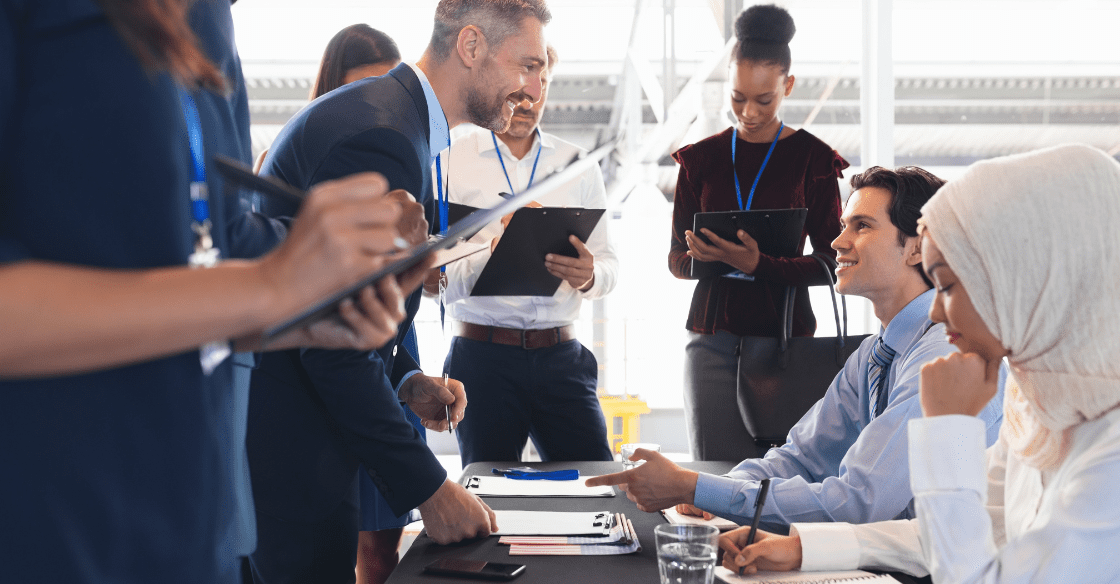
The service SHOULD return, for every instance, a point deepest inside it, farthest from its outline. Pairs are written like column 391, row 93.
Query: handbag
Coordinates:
column 781, row 378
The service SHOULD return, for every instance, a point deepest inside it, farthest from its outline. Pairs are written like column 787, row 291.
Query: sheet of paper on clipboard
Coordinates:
column 495, row 486
column 573, row 523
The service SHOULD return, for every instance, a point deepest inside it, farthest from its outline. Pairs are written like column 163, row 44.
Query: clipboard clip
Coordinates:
column 607, row 522
column 472, row 483
column 525, row 473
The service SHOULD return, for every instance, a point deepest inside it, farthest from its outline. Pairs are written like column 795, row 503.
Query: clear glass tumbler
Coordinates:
column 686, row 554
column 627, row 451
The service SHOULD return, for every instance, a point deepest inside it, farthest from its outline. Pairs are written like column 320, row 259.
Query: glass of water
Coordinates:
column 686, row 554
column 627, row 451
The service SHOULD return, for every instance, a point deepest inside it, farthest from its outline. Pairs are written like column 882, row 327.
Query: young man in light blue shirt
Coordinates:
column 846, row 459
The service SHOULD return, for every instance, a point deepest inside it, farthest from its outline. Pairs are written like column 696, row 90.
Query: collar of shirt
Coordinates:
column 540, row 139
column 439, row 134
column 909, row 323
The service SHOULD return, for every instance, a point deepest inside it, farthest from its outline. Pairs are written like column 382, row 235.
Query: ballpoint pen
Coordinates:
column 763, row 488
column 447, row 409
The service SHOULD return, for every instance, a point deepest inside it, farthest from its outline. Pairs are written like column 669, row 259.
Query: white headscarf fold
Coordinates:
column 1035, row 239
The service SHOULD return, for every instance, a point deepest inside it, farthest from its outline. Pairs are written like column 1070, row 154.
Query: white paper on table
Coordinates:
column 855, row 576
column 496, row 486
column 553, row 522
column 675, row 518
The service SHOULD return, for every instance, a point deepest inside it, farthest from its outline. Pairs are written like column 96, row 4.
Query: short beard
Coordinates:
column 484, row 114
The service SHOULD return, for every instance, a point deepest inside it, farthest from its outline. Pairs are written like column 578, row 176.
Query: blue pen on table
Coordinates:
column 525, row 473
column 763, row 488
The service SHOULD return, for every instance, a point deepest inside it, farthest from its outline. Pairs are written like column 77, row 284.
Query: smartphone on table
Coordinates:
column 474, row 569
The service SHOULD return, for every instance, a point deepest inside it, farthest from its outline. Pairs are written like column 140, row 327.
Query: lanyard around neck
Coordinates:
column 200, row 200
column 532, row 175
column 205, row 255
column 738, row 192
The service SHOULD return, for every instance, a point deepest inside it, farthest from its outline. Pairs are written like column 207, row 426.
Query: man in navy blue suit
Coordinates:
column 314, row 415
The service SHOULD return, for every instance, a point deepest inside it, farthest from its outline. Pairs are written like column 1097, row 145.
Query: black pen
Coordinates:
column 243, row 176
column 763, row 488
column 236, row 173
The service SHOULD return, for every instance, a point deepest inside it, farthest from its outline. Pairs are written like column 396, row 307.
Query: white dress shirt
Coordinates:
column 473, row 176
column 1014, row 524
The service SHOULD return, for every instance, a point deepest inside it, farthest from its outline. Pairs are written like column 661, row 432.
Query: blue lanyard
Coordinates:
column 738, row 193
column 200, row 200
column 540, row 146
column 441, row 197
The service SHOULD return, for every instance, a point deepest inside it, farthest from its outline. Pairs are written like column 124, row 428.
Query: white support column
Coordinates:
column 877, row 85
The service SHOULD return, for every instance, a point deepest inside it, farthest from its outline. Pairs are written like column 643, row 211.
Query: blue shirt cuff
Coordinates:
column 406, row 377
column 714, row 494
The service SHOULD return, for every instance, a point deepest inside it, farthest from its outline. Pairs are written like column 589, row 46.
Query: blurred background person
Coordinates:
column 355, row 52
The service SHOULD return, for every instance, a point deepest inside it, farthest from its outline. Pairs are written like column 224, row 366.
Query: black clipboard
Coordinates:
column 516, row 268
column 777, row 231
column 456, row 212
column 241, row 175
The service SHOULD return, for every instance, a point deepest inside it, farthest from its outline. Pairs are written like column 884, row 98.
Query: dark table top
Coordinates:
column 640, row 567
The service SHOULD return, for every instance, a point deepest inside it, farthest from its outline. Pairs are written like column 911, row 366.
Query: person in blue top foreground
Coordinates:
column 1023, row 252
column 123, row 447
column 845, row 460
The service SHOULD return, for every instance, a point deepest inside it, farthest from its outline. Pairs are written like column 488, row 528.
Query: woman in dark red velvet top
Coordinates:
column 802, row 171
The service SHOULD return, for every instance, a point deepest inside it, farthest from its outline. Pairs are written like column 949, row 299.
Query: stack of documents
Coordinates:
column 675, row 518
column 619, row 539
column 494, row 486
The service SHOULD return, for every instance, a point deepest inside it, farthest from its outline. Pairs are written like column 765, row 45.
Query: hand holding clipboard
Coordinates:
column 330, row 304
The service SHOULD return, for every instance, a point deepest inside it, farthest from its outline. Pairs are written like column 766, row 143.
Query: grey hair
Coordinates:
column 497, row 19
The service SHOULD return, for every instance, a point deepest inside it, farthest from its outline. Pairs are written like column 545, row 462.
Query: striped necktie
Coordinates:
column 877, row 367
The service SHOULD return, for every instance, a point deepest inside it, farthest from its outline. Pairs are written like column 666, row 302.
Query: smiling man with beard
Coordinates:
column 314, row 415
column 526, row 375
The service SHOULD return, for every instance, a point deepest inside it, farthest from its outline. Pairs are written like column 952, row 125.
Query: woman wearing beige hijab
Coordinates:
column 1024, row 253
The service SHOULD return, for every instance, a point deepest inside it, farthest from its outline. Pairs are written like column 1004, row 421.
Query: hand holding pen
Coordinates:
column 440, row 402
column 743, row 554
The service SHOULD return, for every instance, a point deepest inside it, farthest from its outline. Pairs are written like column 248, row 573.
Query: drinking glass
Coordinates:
column 686, row 554
column 628, row 451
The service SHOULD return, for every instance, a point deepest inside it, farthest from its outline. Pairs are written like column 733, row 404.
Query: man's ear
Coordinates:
column 914, row 251
column 471, row 46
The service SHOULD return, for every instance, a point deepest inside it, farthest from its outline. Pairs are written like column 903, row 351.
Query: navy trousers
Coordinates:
column 297, row 552
column 514, row 394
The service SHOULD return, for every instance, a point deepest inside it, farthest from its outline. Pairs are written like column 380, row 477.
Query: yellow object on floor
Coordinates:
column 621, row 412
